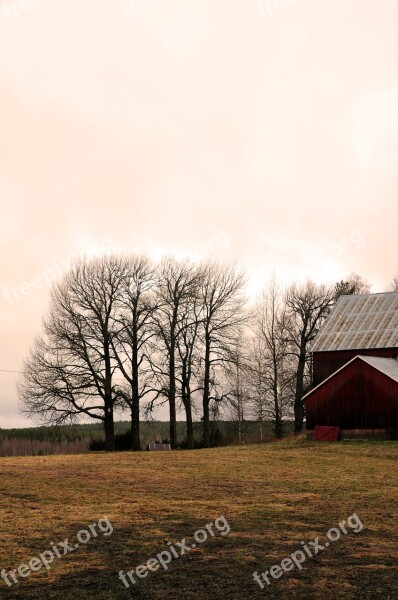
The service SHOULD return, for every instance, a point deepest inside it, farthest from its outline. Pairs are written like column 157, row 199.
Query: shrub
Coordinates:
column 96, row 444
column 122, row 442
column 217, row 438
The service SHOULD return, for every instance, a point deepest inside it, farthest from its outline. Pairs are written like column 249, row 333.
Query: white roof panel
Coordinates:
column 388, row 366
column 360, row 322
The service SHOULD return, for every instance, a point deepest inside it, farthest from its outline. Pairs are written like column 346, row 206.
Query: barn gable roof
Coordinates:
column 388, row 366
column 360, row 322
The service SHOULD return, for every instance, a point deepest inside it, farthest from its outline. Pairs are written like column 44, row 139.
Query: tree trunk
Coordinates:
column 172, row 400
column 240, row 425
column 278, row 424
column 109, row 428
column 298, row 402
column 186, row 400
column 206, row 395
column 135, row 398
column 188, row 413
column 135, row 426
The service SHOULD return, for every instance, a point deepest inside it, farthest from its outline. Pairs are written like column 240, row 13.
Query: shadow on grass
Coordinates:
column 219, row 569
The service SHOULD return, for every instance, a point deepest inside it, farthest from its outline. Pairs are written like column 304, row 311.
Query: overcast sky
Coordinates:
column 263, row 132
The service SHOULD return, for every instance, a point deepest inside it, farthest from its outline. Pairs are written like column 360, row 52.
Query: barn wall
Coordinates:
column 358, row 397
column 358, row 434
column 326, row 363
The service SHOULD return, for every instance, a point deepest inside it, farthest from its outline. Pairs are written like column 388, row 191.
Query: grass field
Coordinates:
column 273, row 497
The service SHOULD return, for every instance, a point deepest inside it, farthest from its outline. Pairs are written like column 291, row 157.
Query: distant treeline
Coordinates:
column 68, row 439
column 85, row 431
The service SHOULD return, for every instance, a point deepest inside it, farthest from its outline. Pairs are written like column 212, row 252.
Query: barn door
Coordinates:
column 326, row 434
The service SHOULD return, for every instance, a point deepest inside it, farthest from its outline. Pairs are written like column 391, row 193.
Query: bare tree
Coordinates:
column 223, row 306
column 307, row 307
column 176, row 286
column 353, row 284
column 273, row 335
column 236, row 392
column 257, row 384
column 71, row 370
column 394, row 285
column 188, row 363
column 133, row 329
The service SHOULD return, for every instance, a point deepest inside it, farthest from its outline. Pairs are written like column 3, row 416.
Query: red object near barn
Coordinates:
column 326, row 434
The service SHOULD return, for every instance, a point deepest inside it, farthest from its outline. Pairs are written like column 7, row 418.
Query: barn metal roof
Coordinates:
column 388, row 366
column 360, row 322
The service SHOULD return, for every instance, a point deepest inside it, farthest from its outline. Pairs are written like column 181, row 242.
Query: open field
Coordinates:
column 273, row 497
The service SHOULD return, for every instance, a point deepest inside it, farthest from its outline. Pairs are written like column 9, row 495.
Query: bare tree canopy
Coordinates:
column 133, row 330
column 353, row 284
column 307, row 307
column 176, row 290
column 394, row 285
column 224, row 313
column 236, row 384
column 272, row 334
column 71, row 369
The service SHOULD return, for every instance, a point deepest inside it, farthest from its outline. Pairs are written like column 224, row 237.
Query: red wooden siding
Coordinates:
column 327, row 363
column 358, row 397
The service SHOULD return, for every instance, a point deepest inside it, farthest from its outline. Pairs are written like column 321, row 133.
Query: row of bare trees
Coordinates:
column 123, row 333
column 271, row 369
column 120, row 331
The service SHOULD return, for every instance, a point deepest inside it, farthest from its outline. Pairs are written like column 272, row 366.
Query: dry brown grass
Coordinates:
column 273, row 496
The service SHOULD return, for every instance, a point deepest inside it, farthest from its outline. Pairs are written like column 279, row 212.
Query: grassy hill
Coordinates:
column 273, row 497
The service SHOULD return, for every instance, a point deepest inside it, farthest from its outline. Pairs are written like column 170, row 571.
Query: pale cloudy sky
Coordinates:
column 265, row 132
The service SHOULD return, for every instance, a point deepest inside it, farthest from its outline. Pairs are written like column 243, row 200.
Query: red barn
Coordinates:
column 355, row 368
